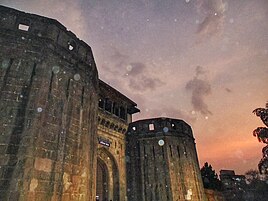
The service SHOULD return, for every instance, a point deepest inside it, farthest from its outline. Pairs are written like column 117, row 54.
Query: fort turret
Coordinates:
column 162, row 162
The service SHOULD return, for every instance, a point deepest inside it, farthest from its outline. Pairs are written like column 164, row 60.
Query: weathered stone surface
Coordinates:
column 48, row 104
column 163, row 162
column 114, row 114
column 62, row 130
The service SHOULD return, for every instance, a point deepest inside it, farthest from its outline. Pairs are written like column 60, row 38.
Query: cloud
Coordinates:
column 144, row 82
column 214, row 11
column 135, row 68
column 170, row 112
column 228, row 90
column 200, row 88
column 134, row 75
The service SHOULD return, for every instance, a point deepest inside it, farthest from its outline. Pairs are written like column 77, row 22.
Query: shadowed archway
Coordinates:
column 107, row 177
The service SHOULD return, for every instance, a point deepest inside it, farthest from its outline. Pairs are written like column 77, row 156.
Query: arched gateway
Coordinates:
column 114, row 115
column 107, row 181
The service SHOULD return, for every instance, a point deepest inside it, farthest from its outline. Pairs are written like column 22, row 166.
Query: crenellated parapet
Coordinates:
column 31, row 28
column 158, row 126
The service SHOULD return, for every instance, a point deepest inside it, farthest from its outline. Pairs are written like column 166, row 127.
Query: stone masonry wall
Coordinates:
column 163, row 162
column 48, row 111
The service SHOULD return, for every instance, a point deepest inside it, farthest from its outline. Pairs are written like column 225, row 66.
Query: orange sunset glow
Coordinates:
column 203, row 61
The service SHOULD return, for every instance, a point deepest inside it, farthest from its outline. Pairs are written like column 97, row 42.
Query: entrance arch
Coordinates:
column 107, row 179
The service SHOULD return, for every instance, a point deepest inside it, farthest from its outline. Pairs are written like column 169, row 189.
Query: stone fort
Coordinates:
column 65, row 135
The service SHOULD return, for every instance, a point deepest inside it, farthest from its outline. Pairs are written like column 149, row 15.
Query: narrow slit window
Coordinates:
column 151, row 127
column 24, row 27
column 170, row 148
column 178, row 150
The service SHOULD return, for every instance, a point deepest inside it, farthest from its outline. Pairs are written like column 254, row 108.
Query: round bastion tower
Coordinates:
column 162, row 162
column 48, row 111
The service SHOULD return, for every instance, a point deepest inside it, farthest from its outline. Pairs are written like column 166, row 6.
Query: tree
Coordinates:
column 262, row 135
column 210, row 178
column 256, row 181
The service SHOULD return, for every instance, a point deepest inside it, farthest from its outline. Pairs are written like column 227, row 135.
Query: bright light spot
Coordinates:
column 193, row 112
column 147, row 110
column 5, row 63
column 187, row 1
column 77, row 77
column 161, row 143
column 206, row 117
column 165, row 129
column 175, row 20
column 129, row 67
column 231, row 20
column 39, row 109
column 147, row 20
column 56, row 69
column 215, row 14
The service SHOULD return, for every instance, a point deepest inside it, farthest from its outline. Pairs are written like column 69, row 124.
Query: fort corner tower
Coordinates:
column 48, row 103
column 162, row 161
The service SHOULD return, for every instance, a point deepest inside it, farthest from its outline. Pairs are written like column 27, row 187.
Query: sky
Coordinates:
column 203, row 61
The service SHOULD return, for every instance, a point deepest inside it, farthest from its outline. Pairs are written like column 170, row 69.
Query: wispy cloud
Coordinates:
column 170, row 112
column 135, row 75
column 200, row 88
column 214, row 11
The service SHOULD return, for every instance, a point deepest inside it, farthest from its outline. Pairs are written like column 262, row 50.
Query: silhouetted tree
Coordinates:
column 210, row 178
column 257, row 187
column 262, row 135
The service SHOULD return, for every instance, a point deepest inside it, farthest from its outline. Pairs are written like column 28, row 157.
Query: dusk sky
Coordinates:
column 203, row 61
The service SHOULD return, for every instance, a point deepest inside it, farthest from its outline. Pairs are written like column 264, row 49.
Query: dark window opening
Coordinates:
column 101, row 103
column 116, row 109
column 108, row 105
column 24, row 27
column 122, row 113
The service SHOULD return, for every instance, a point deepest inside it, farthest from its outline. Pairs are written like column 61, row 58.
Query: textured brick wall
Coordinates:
column 163, row 162
column 48, row 109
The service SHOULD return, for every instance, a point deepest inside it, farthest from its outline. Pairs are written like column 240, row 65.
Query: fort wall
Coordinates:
column 162, row 161
column 48, row 104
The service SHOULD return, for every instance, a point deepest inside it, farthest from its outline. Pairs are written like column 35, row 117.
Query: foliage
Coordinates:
column 262, row 132
column 256, row 181
column 210, row 178
column 262, row 135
